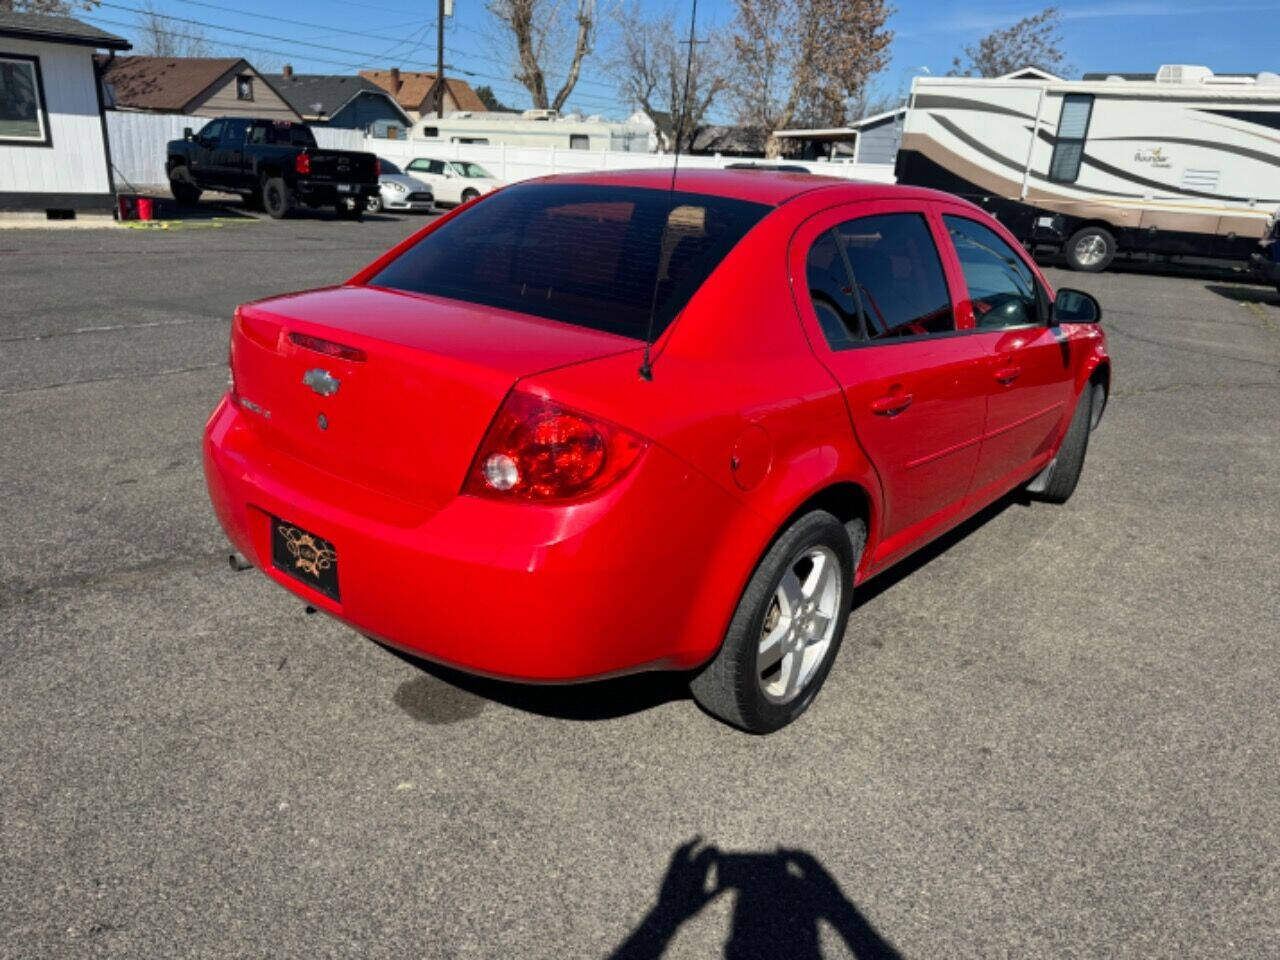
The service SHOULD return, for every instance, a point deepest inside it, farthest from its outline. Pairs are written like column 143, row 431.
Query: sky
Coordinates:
column 342, row 36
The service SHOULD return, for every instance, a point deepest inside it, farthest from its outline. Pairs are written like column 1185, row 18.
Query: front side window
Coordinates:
column 212, row 131
column 244, row 88
column 603, row 257
column 898, row 277
column 1068, row 146
column 1002, row 288
column 23, row 118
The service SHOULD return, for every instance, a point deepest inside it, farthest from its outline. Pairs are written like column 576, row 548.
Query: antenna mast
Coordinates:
column 646, row 365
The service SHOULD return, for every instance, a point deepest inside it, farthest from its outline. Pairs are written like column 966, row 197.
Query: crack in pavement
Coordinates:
column 1112, row 328
column 12, row 596
column 122, row 376
column 109, row 328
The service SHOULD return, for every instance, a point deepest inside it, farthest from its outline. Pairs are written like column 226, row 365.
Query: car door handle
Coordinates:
column 1008, row 374
column 891, row 405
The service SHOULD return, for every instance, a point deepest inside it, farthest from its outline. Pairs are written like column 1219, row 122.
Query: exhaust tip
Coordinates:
column 238, row 563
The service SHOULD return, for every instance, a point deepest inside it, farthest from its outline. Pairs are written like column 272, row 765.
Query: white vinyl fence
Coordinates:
column 138, row 141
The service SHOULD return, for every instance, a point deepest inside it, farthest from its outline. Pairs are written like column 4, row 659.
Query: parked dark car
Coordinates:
column 273, row 164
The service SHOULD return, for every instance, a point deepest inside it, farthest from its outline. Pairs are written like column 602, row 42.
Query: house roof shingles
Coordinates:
column 415, row 86
column 304, row 91
column 33, row 26
column 164, row 83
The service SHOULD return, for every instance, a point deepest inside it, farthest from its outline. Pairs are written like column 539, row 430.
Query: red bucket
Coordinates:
column 145, row 208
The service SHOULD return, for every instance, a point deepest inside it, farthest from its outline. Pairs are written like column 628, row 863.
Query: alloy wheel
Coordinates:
column 1091, row 250
column 799, row 624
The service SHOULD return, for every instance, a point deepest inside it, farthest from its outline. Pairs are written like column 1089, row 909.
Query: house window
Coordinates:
column 23, row 118
column 1073, row 127
column 244, row 88
column 579, row 141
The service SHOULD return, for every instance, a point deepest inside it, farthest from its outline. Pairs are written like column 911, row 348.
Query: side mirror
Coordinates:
column 186, row 133
column 1076, row 306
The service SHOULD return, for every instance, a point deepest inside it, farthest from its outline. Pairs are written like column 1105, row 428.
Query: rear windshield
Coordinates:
column 282, row 132
column 595, row 256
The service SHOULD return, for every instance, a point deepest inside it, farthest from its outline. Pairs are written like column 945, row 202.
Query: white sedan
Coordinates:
column 399, row 191
column 453, row 181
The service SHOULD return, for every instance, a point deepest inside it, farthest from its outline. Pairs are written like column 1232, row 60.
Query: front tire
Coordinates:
column 1056, row 482
column 373, row 204
column 184, row 191
column 787, row 628
column 1090, row 250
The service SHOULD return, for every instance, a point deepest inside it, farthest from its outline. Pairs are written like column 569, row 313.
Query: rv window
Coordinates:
column 431, row 131
column 1002, row 288
column 1073, row 127
column 579, row 141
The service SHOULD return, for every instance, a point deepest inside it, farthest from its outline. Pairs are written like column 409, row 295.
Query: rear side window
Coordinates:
column 1002, row 288
column 594, row 256
column 897, row 287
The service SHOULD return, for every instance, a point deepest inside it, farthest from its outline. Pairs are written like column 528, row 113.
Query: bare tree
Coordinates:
column 158, row 36
column 803, row 61
column 54, row 7
column 541, row 31
column 1033, row 41
column 650, row 60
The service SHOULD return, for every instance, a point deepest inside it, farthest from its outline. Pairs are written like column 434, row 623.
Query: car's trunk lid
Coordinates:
column 403, row 411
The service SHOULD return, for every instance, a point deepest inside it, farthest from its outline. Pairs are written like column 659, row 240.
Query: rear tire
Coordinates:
column 277, row 198
column 469, row 194
column 184, row 191
column 373, row 204
column 787, row 628
column 1090, row 250
column 1056, row 482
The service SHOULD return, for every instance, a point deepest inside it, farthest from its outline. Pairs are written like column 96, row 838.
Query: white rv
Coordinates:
column 533, row 128
column 1181, row 162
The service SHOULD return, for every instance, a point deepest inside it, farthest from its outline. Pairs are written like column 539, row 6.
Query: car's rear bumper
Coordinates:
column 633, row 580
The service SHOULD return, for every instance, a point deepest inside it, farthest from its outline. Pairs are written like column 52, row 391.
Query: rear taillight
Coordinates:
column 302, row 164
column 377, row 167
column 539, row 451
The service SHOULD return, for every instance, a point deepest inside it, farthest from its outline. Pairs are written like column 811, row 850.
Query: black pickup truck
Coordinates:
column 273, row 164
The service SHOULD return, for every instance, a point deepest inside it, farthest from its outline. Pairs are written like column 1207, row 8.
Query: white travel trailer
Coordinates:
column 533, row 128
column 1181, row 162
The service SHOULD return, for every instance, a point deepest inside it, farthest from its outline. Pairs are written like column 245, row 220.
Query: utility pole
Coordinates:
column 443, row 9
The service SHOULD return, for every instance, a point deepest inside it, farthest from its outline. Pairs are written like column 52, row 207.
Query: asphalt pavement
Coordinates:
column 1053, row 735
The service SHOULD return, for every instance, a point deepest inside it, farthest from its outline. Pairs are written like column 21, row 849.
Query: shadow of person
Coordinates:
column 781, row 897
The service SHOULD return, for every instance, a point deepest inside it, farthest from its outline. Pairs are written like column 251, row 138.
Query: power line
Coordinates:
column 366, row 55
column 320, row 26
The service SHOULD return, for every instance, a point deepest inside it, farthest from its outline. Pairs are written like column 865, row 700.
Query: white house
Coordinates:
column 54, row 157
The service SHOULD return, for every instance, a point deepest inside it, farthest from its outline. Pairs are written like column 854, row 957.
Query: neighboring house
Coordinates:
column 352, row 103
column 872, row 139
column 416, row 92
column 206, row 86
column 54, row 156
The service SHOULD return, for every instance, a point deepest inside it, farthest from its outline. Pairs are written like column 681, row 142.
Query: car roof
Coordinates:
column 771, row 187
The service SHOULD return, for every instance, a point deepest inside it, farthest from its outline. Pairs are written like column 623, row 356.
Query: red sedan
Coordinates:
column 591, row 425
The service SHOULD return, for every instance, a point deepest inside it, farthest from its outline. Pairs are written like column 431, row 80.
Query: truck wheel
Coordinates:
column 1090, row 249
column 184, row 191
column 277, row 198
column 788, row 626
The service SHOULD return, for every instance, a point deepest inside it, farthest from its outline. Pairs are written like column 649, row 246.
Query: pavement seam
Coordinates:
column 123, row 376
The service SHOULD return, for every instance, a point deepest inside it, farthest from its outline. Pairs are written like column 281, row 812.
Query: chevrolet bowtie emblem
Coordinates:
column 321, row 381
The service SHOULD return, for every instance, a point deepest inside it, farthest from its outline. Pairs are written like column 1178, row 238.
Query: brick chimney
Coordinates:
column 395, row 80
column 288, row 71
